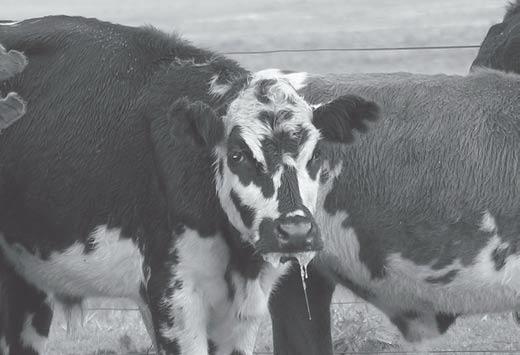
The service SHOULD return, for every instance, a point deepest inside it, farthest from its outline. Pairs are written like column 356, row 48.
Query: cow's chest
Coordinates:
column 232, row 305
column 110, row 266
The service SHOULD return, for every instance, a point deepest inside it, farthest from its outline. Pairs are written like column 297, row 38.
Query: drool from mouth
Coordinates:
column 303, row 259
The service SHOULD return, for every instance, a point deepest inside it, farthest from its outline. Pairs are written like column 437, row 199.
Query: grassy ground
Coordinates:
column 230, row 25
column 357, row 328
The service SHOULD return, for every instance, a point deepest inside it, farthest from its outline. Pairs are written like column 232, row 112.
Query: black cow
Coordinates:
column 421, row 216
column 149, row 169
column 12, row 107
column 501, row 46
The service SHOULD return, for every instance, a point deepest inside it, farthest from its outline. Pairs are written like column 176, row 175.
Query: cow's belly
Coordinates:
column 420, row 294
column 111, row 267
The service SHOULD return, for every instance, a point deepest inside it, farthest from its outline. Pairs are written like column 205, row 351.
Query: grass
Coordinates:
column 356, row 328
column 229, row 25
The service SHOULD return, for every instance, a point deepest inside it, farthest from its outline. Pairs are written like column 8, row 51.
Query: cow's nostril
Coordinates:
column 290, row 229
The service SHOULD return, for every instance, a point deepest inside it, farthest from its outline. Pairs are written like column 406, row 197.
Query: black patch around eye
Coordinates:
column 314, row 164
column 247, row 172
column 262, row 88
column 90, row 245
column 246, row 213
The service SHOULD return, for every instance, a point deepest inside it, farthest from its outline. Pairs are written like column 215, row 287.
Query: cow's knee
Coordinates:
column 25, row 316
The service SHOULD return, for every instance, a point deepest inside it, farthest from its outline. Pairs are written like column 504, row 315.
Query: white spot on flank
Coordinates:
column 112, row 269
column 4, row 348
column 30, row 338
column 488, row 223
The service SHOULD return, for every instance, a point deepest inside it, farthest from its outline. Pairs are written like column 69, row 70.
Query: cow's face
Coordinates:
column 267, row 165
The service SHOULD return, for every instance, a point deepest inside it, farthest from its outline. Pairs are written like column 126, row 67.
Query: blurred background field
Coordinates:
column 231, row 26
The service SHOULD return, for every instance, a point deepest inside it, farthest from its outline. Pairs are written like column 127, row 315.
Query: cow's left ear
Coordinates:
column 339, row 118
column 201, row 122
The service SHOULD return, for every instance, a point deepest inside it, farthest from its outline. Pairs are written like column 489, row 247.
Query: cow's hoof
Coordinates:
column 516, row 317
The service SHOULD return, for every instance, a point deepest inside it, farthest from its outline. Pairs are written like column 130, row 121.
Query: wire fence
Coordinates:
column 150, row 351
column 353, row 49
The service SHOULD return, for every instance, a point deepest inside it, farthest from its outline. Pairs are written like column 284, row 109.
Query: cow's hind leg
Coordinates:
column 25, row 316
column 293, row 332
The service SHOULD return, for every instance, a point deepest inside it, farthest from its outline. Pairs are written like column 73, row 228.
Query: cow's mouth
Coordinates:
column 276, row 259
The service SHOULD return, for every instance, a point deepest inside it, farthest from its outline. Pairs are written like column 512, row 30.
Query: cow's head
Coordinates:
column 501, row 46
column 267, row 165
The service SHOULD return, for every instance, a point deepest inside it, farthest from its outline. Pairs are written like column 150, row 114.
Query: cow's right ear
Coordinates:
column 338, row 119
column 198, row 121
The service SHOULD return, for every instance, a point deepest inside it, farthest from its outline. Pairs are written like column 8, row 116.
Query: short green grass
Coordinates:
column 229, row 25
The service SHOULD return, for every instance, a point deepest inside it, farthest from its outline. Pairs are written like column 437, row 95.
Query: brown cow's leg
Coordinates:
column 293, row 332
column 25, row 316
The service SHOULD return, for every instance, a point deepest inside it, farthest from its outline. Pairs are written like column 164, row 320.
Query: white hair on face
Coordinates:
column 245, row 109
column 244, row 112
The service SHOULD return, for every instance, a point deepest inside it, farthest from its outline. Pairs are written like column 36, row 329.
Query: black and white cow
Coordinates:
column 421, row 216
column 500, row 49
column 12, row 107
column 149, row 169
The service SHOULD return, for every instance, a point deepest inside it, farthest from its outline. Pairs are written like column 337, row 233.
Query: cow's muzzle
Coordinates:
column 297, row 234
column 290, row 235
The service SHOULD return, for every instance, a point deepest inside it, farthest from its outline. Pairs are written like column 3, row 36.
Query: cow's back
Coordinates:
column 81, row 156
column 445, row 144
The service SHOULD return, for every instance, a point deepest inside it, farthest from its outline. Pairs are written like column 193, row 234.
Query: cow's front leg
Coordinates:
column 25, row 315
column 237, row 338
column 179, row 313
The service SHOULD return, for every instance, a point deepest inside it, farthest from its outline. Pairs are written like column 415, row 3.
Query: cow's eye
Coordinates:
column 236, row 156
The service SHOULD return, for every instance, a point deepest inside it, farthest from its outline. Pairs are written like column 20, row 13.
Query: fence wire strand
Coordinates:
column 352, row 49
